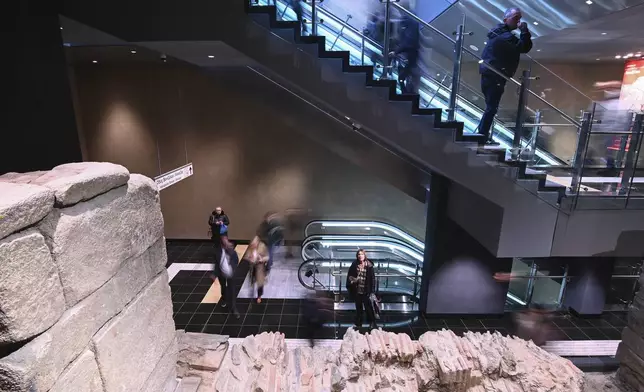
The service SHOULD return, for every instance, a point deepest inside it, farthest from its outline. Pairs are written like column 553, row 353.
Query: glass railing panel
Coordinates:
column 342, row 247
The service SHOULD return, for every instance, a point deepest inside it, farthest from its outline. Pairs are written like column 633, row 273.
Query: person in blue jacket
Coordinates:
column 503, row 52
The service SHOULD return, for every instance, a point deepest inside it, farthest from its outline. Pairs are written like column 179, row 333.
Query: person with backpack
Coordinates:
column 218, row 223
column 226, row 261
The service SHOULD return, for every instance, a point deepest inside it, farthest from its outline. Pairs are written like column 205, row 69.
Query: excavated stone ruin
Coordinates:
column 384, row 361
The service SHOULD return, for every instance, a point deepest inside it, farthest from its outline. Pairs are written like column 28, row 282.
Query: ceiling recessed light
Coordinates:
column 61, row 27
column 211, row 57
column 535, row 23
column 133, row 51
column 538, row 50
column 596, row 59
column 438, row 74
column 618, row 57
column 629, row 55
column 485, row 43
column 638, row 55
column 94, row 61
column 604, row 33
column 480, row 61
column 474, row 48
column 589, row 2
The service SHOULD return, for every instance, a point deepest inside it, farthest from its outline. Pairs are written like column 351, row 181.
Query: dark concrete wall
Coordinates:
column 250, row 152
column 38, row 125
column 458, row 274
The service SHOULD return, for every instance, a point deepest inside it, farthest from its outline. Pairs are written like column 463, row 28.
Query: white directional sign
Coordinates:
column 172, row 177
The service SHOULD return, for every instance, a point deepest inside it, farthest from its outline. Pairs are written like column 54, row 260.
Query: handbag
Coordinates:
column 223, row 229
column 224, row 265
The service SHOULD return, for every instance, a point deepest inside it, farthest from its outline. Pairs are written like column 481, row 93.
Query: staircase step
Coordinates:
column 188, row 384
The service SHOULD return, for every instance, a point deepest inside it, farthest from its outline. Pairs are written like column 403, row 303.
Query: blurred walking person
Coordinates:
column 317, row 310
column 503, row 52
column 257, row 256
column 226, row 261
column 361, row 281
column 296, row 220
column 271, row 233
column 296, row 5
column 406, row 53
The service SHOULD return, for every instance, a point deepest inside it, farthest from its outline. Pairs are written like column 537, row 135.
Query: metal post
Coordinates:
column 314, row 18
column 582, row 145
column 456, row 73
column 385, row 70
column 362, row 51
column 562, row 289
column 535, row 133
column 630, row 164
column 518, row 127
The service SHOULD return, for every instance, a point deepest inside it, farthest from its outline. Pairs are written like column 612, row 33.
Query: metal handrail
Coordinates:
column 481, row 61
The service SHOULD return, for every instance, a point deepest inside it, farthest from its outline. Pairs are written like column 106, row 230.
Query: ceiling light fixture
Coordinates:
column 535, row 23
column 589, row 2
column 94, row 61
column 133, row 51
column 629, row 55
column 596, row 59
column 211, row 57
column 618, row 57
column 61, row 27
column 604, row 33
column 538, row 50
column 638, row 55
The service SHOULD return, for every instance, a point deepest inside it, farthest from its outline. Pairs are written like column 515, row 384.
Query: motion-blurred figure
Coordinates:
column 226, row 261
column 296, row 220
column 257, row 256
column 271, row 233
column 296, row 5
column 405, row 51
column 532, row 323
column 317, row 310
column 375, row 31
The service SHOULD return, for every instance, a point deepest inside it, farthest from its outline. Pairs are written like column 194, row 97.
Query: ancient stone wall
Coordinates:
column 84, row 298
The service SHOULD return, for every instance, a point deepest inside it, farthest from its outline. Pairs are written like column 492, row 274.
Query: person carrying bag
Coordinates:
column 257, row 256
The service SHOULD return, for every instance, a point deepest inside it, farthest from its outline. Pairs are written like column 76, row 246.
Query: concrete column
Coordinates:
column 589, row 284
column 458, row 270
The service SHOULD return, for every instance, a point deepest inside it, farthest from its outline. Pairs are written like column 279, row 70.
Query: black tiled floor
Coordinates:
column 189, row 288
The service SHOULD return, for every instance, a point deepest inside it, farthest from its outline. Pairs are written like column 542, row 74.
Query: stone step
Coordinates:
column 188, row 384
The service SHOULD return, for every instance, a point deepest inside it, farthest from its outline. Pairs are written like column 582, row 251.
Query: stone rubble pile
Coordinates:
column 84, row 298
column 384, row 361
column 630, row 351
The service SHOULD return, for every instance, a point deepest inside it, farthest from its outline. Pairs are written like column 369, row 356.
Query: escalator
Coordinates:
column 330, row 248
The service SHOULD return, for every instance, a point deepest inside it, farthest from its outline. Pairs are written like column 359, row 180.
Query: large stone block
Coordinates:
column 129, row 347
column 31, row 297
column 22, row 205
column 164, row 375
column 82, row 375
column 37, row 365
column 129, row 216
column 74, row 182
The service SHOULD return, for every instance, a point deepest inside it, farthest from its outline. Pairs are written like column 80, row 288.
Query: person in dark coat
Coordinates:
column 361, row 281
column 503, row 52
column 225, row 253
column 406, row 51
column 317, row 310
column 215, row 221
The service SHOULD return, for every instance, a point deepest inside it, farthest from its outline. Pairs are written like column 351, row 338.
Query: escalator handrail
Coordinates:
column 370, row 222
column 481, row 61
column 356, row 237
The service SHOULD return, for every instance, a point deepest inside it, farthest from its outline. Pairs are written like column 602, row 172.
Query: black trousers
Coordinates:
column 492, row 87
column 363, row 306
column 227, row 285
column 407, row 73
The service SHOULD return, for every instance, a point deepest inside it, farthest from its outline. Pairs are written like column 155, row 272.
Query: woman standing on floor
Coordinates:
column 218, row 222
column 361, row 281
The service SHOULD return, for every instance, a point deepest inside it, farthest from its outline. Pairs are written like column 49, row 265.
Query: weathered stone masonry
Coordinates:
column 84, row 297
